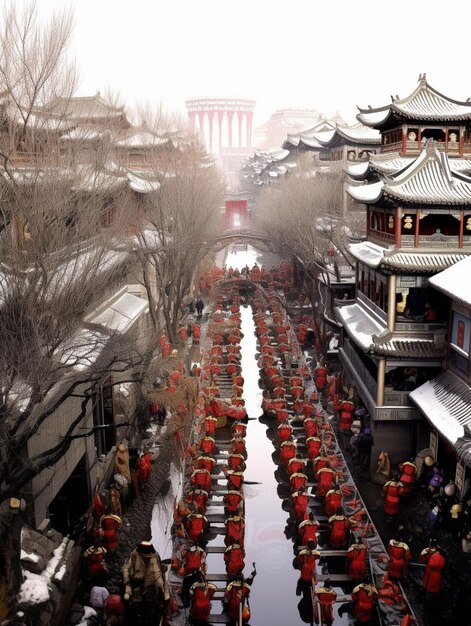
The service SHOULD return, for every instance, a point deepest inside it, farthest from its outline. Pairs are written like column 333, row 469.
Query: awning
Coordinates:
column 446, row 402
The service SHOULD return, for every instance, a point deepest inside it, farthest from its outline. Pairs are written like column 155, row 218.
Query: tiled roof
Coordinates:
column 417, row 262
column 446, row 401
column 392, row 258
column 426, row 180
column 424, row 103
column 373, row 338
column 454, row 281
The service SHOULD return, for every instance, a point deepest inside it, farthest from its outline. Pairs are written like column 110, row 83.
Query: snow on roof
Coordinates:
column 356, row 133
column 120, row 315
column 419, row 262
column 424, row 103
column 357, row 170
column 84, row 107
column 82, row 349
column 142, row 183
column 359, row 325
column 454, row 281
column 445, row 400
column 369, row 193
column 428, row 179
column 144, row 139
column 367, row 252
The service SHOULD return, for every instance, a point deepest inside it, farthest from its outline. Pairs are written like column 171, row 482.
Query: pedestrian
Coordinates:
column 364, row 598
column 364, row 444
column 201, row 594
column 237, row 592
column 356, row 560
column 393, row 491
column 199, row 305
column 339, row 528
column 399, row 555
column 326, row 597
column 435, row 562
column 306, row 559
column 408, row 473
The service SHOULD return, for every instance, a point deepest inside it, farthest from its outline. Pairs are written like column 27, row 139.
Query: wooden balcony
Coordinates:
column 397, row 405
column 435, row 241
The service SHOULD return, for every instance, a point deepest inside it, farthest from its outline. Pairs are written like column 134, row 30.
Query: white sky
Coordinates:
column 326, row 55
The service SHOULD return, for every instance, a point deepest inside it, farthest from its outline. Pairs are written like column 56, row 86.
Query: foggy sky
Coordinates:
column 325, row 55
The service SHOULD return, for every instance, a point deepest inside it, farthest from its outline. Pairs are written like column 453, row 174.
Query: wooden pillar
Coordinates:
column 404, row 140
column 416, row 228
column 461, row 140
column 392, row 302
column 380, row 381
column 419, row 139
column 397, row 229
column 460, row 238
column 446, row 139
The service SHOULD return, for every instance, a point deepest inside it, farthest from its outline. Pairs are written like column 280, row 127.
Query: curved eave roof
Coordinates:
column 427, row 180
column 358, row 170
column 420, row 263
column 399, row 261
column 355, row 134
column 445, row 400
column 408, row 348
column 454, row 281
column 424, row 103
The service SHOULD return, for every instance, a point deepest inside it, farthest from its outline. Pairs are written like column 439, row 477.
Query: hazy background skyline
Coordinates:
column 318, row 54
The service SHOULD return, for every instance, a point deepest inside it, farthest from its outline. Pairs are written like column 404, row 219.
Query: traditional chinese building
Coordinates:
column 418, row 200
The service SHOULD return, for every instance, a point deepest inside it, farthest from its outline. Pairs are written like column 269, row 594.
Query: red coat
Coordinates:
column 300, row 504
column 333, row 501
column 320, row 374
column 195, row 525
column 435, row 562
column 193, row 559
column 210, row 426
column 345, row 409
column 338, row 531
column 231, row 500
column 296, row 465
column 234, row 559
column 313, row 445
column 364, row 598
column 356, row 561
column 110, row 524
column 201, row 479
column 234, row 479
column 325, row 480
column 201, row 594
column 235, row 593
column 284, row 432
column 399, row 554
column 326, row 597
column 310, row 427
column 235, row 527
column 408, row 474
column 297, row 481
column 308, row 531
column 287, row 451
column 393, row 491
column 307, row 563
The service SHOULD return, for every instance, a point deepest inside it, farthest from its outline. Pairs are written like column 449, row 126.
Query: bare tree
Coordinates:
column 304, row 215
column 181, row 217
column 61, row 227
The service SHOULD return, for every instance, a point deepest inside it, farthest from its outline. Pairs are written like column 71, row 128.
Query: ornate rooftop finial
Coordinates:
column 392, row 98
column 422, row 78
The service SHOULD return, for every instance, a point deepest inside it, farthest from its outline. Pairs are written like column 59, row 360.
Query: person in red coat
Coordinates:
column 287, row 451
column 399, row 555
column 193, row 559
column 306, row 559
column 201, row 594
column 296, row 465
column 210, row 426
column 199, row 497
column 345, row 411
column 201, row 479
column 234, row 556
column 435, row 562
column 338, row 530
column 356, row 560
column 235, row 480
column 408, row 473
column 236, row 594
column 325, row 480
column 393, row 491
column 297, row 481
column 284, row 431
column 310, row 427
column 326, row 597
column 195, row 525
column 235, row 527
column 333, row 500
column 110, row 524
column 320, row 376
column 364, row 598
column 313, row 445
column 307, row 530
column 300, row 500
column 233, row 502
